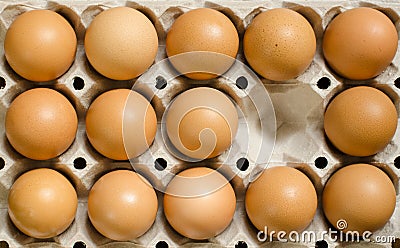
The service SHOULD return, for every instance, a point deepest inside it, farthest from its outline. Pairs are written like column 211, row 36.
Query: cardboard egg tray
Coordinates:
column 299, row 105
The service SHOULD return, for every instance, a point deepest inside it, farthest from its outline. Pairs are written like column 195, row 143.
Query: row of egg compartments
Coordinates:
column 79, row 83
column 303, row 168
column 307, row 12
column 160, row 83
column 236, row 185
column 239, row 244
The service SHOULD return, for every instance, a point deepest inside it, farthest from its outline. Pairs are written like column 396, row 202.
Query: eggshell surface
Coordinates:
column 279, row 44
column 281, row 199
column 201, row 123
column 121, row 124
column 360, row 121
column 41, row 123
column 122, row 205
column 40, row 45
column 206, row 30
column 199, row 203
column 121, row 43
column 362, row 195
column 42, row 203
column 360, row 43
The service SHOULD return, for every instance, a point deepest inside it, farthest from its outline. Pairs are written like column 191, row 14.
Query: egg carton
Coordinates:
column 299, row 106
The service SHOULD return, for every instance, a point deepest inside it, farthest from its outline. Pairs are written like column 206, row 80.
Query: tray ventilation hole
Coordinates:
column 397, row 165
column 79, row 244
column 324, row 83
column 241, row 244
column 321, row 162
column 397, row 82
column 242, row 83
column 161, row 83
column 4, row 244
column 2, row 83
column 78, row 83
column 160, row 164
column 2, row 164
column 161, row 244
column 242, row 164
column 79, row 163
column 321, row 244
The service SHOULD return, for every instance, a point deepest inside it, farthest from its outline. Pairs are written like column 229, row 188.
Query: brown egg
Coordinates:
column 199, row 203
column 279, row 44
column 42, row 203
column 40, row 45
column 360, row 121
column 210, row 35
column 41, row 123
column 281, row 199
column 121, row 43
column 121, row 124
column 359, row 197
column 360, row 43
column 201, row 123
column 122, row 205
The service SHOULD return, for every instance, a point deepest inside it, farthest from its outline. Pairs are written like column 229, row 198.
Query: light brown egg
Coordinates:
column 41, row 124
column 40, row 45
column 121, row 43
column 360, row 121
column 122, row 205
column 201, row 123
column 199, row 203
column 359, row 197
column 360, row 43
column 42, row 203
column 281, row 199
column 121, row 124
column 202, row 30
column 279, row 44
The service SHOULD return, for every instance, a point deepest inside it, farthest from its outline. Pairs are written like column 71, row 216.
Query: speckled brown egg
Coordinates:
column 281, row 199
column 40, row 45
column 199, row 203
column 121, row 124
column 121, row 43
column 210, row 35
column 359, row 197
column 201, row 123
column 360, row 43
column 42, row 203
column 360, row 121
column 122, row 205
column 279, row 44
column 41, row 123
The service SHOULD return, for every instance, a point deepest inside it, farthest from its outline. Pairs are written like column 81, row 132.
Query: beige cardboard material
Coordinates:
column 299, row 105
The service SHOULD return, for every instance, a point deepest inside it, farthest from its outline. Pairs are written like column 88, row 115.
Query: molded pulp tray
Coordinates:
column 299, row 106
